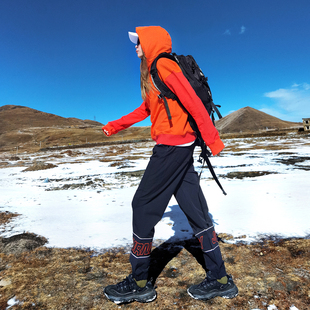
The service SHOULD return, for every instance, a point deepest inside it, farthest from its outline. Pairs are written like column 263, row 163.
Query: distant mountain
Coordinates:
column 29, row 129
column 24, row 129
column 14, row 117
column 249, row 120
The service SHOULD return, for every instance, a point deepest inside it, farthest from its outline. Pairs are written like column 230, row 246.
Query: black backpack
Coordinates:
column 199, row 82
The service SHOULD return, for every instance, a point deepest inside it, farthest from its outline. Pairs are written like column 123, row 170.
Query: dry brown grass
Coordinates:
column 6, row 217
column 50, row 278
column 39, row 165
column 34, row 139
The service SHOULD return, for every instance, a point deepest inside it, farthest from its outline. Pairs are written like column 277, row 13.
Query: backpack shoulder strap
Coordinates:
column 158, row 83
column 205, row 156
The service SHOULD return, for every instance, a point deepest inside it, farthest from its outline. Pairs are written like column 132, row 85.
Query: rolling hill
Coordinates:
column 18, row 117
column 29, row 129
column 251, row 120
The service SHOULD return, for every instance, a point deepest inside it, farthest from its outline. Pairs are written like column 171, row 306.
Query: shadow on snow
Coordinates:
column 183, row 239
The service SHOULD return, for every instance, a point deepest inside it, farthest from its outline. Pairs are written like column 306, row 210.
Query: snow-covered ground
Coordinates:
column 86, row 200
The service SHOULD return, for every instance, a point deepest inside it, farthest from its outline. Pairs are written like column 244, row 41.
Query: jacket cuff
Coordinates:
column 108, row 130
column 217, row 146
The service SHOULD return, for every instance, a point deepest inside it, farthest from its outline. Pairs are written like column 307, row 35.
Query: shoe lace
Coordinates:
column 126, row 283
column 206, row 283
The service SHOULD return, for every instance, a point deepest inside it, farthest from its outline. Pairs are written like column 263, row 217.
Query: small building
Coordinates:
column 306, row 123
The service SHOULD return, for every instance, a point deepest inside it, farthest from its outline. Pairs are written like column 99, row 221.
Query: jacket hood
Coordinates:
column 154, row 40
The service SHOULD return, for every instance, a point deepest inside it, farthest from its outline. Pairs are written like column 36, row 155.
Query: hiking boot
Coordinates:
column 210, row 288
column 128, row 291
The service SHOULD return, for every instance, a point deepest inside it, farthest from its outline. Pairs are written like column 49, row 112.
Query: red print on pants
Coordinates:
column 141, row 249
column 214, row 238
column 201, row 241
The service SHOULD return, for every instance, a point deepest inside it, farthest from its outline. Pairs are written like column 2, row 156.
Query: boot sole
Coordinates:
column 122, row 300
column 233, row 292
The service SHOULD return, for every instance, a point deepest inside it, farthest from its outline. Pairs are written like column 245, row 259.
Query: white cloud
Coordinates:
column 227, row 32
column 306, row 86
column 277, row 113
column 285, row 97
column 242, row 30
column 294, row 102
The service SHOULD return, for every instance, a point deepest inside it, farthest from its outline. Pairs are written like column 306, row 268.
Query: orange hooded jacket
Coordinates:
column 177, row 131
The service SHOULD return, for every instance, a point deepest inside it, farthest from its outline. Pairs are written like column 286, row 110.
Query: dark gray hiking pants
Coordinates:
column 171, row 172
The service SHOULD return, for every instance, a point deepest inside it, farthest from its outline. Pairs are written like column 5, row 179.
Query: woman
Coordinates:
column 169, row 172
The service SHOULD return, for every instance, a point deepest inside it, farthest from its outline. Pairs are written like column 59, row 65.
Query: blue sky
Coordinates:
column 73, row 58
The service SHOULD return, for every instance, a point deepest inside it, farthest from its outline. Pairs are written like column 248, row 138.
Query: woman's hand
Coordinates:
column 108, row 130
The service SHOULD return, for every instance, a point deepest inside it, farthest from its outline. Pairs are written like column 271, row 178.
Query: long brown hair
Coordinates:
column 145, row 83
